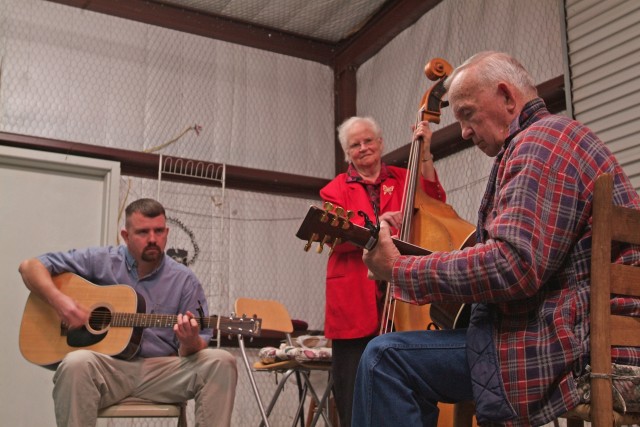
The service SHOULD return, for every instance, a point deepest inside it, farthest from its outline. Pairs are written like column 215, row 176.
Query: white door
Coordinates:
column 48, row 202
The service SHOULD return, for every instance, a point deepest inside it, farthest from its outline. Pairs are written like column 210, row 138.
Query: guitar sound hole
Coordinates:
column 100, row 319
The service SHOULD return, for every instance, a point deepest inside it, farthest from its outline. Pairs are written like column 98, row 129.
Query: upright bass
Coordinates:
column 432, row 224
column 427, row 222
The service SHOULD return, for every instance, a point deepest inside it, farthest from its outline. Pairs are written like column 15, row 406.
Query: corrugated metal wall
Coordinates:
column 603, row 48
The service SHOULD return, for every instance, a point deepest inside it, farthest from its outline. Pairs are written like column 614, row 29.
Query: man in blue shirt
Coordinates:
column 86, row 381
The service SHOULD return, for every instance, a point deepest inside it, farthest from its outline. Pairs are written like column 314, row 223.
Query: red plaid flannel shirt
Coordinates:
column 531, row 268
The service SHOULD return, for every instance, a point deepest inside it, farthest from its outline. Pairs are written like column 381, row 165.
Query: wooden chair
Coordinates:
column 275, row 317
column 463, row 413
column 132, row 407
column 610, row 224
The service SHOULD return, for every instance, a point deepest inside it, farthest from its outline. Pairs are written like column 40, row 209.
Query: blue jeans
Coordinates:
column 403, row 375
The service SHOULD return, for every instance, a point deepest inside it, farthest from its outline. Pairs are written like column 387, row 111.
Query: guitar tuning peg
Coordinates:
column 324, row 240
column 346, row 224
column 335, row 243
column 328, row 207
column 314, row 237
column 336, row 220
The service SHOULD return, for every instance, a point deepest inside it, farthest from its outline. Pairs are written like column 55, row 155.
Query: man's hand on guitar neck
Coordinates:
column 381, row 258
column 187, row 331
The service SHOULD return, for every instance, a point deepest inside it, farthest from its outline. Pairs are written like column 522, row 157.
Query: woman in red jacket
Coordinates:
column 353, row 302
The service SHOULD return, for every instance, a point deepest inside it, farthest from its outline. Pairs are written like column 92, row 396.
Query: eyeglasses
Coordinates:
column 362, row 144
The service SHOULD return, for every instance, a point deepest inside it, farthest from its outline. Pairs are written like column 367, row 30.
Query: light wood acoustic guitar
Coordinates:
column 117, row 317
column 329, row 227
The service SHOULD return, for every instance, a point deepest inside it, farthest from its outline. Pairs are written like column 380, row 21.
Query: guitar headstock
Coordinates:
column 331, row 225
column 246, row 326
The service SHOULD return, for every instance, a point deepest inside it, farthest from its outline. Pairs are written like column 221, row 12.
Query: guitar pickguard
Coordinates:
column 83, row 338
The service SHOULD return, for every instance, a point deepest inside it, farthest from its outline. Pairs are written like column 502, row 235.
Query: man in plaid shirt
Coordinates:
column 527, row 278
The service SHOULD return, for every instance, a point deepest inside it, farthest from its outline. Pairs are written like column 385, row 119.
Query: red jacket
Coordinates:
column 351, row 308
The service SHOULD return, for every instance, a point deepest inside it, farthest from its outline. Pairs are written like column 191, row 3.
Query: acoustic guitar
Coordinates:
column 328, row 227
column 114, row 327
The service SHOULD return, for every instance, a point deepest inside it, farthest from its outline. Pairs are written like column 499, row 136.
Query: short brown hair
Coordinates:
column 148, row 207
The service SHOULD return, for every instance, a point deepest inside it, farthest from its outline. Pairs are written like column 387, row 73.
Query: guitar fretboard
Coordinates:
column 155, row 320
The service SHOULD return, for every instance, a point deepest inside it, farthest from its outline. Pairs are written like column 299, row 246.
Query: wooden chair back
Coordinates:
column 274, row 315
column 610, row 224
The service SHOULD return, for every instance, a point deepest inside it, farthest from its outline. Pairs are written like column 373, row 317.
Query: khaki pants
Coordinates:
column 86, row 381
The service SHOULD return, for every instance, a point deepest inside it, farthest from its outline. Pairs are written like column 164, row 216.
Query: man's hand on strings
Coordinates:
column 71, row 313
column 382, row 257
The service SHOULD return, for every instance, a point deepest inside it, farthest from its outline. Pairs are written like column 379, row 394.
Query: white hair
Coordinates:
column 345, row 127
column 492, row 67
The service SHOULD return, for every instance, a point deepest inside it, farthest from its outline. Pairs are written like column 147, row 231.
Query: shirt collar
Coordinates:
column 354, row 176
column 532, row 111
column 130, row 261
column 132, row 264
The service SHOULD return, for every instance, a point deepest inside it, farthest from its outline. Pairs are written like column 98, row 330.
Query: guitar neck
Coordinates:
column 144, row 320
column 327, row 227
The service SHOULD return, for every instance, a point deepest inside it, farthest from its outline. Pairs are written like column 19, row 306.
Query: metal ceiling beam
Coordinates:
column 145, row 165
column 211, row 26
column 391, row 20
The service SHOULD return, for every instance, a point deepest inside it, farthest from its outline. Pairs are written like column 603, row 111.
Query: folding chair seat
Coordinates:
column 275, row 317
column 133, row 407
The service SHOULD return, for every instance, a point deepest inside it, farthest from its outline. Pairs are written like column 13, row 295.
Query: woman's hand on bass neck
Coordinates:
column 423, row 132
